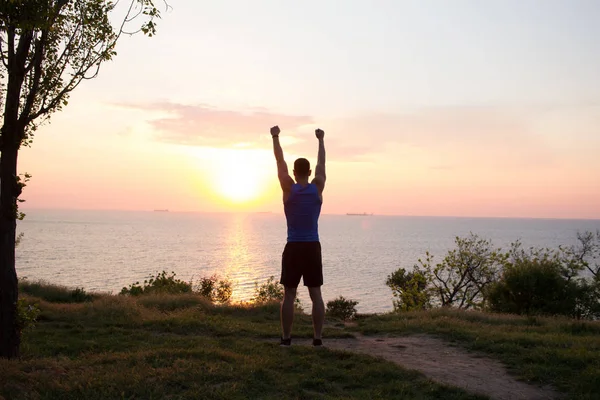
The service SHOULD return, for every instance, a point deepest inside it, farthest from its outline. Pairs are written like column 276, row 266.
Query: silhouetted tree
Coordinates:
column 464, row 274
column 47, row 48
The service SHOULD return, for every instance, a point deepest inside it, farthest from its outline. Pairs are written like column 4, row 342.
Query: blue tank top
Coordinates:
column 302, row 210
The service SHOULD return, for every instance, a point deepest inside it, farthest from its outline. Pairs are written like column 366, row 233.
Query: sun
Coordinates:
column 237, row 188
column 240, row 176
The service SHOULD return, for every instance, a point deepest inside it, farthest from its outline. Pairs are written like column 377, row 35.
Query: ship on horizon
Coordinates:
column 364, row 214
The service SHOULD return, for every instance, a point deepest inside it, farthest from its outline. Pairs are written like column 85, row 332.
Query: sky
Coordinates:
column 429, row 107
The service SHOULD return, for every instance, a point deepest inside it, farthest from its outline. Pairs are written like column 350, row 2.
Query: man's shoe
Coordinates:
column 317, row 342
column 285, row 342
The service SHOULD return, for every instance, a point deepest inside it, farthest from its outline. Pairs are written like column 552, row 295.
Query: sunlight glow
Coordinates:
column 240, row 176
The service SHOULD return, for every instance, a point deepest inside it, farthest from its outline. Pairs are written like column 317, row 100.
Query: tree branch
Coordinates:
column 23, row 47
column 125, row 20
column 11, row 44
column 36, row 64
column 2, row 57
column 37, row 74
column 446, row 288
column 68, row 46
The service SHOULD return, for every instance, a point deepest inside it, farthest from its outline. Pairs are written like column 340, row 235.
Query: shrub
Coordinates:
column 54, row 293
column 79, row 295
column 160, row 283
column 464, row 274
column 216, row 290
column 547, row 282
column 213, row 288
column 533, row 286
column 587, row 299
column 583, row 256
column 342, row 308
column 270, row 291
column 27, row 314
column 409, row 290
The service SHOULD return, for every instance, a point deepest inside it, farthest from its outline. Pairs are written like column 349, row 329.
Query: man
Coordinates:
column 302, row 254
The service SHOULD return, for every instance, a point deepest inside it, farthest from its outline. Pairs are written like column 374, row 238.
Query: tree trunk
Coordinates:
column 10, row 338
column 11, row 135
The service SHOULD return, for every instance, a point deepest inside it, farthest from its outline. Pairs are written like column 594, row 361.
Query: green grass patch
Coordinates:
column 183, row 347
column 558, row 351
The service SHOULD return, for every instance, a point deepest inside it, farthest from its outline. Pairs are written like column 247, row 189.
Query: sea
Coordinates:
column 104, row 251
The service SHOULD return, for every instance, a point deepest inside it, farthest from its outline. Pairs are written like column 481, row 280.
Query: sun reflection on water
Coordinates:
column 239, row 259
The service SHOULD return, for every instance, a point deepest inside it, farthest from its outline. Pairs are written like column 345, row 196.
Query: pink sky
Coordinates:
column 498, row 119
column 445, row 161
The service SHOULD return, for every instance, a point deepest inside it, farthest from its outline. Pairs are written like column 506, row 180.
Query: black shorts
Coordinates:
column 301, row 259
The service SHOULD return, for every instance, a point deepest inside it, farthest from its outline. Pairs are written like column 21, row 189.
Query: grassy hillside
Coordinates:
column 182, row 346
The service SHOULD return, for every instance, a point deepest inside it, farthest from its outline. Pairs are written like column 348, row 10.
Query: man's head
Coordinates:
column 301, row 168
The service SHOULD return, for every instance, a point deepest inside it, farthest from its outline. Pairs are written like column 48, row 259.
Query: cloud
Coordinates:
column 455, row 136
column 203, row 125
column 439, row 138
column 206, row 126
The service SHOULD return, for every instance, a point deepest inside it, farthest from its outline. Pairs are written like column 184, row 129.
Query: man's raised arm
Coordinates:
column 320, row 176
column 285, row 179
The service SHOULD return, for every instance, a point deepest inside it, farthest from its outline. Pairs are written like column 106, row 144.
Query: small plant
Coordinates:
column 409, row 290
column 216, row 290
column 27, row 314
column 342, row 308
column 54, row 293
column 269, row 291
column 79, row 295
column 161, row 283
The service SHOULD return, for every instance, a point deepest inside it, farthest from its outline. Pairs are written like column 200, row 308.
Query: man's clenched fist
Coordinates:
column 275, row 131
column 320, row 134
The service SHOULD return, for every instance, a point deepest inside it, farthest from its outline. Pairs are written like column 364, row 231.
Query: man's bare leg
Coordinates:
column 318, row 310
column 287, row 311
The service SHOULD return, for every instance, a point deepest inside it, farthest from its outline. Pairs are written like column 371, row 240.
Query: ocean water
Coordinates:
column 107, row 250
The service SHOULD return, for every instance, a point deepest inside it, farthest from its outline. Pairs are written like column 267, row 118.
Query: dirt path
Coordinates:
column 445, row 364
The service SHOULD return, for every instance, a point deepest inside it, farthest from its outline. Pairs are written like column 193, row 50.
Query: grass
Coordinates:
column 54, row 293
column 182, row 346
column 562, row 352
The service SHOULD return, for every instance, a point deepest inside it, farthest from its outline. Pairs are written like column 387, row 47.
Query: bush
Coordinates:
column 216, row 290
column 464, row 274
column 270, row 291
column 79, row 295
column 54, row 293
column 409, row 289
column 212, row 288
column 520, row 281
column 533, row 286
column 545, row 282
column 583, row 256
column 342, row 308
column 587, row 299
column 27, row 314
column 161, row 283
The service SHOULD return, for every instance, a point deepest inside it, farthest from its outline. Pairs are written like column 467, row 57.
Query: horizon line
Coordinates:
column 281, row 213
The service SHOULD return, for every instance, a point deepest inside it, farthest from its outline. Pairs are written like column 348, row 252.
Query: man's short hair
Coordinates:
column 302, row 167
